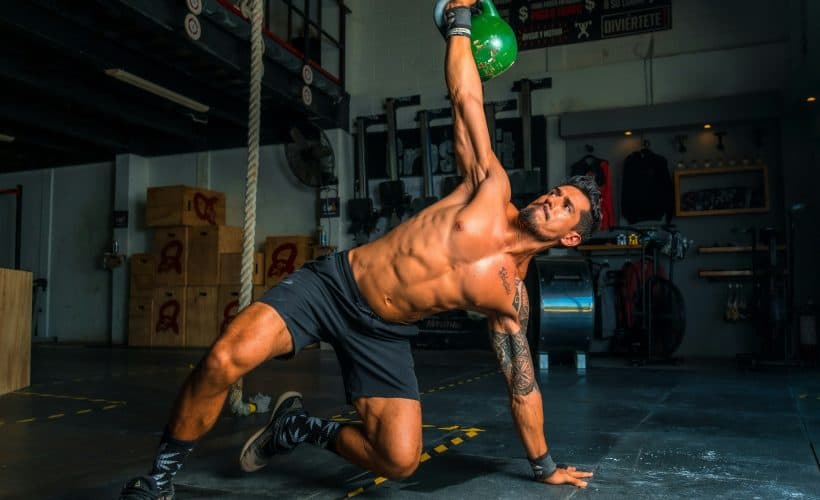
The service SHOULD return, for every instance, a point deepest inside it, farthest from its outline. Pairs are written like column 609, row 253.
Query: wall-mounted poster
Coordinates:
column 545, row 23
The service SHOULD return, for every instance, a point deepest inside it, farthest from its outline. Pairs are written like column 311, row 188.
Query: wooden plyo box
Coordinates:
column 228, row 303
column 168, row 317
column 200, row 316
column 140, row 317
column 171, row 251
column 143, row 271
column 15, row 329
column 231, row 266
column 285, row 254
column 205, row 245
column 184, row 206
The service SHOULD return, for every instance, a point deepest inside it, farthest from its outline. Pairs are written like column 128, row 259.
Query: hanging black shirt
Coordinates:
column 646, row 189
column 590, row 166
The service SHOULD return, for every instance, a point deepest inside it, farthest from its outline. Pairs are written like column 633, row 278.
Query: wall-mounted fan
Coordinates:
column 310, row 156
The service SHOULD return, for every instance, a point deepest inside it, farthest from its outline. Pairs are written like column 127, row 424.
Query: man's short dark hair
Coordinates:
column 590, row 219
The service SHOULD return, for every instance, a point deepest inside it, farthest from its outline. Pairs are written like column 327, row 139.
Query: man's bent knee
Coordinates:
column 255, row 335
column 219, row 365
column 402, row 463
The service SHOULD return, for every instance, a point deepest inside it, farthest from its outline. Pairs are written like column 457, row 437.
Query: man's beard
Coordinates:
column 529, row 223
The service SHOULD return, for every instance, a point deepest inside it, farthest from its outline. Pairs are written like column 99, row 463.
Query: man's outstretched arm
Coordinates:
column 473, row 151
column 509, row 339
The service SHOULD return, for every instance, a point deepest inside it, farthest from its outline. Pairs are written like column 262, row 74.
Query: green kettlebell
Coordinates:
column 495, row 47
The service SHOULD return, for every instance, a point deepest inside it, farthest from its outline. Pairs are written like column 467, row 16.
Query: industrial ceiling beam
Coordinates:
column 106, row 103
column 71, row 31
column 26, row 136
column 233, row 51
column 61, row 122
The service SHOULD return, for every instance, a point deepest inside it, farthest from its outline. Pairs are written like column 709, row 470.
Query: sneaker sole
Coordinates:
column 252, row 467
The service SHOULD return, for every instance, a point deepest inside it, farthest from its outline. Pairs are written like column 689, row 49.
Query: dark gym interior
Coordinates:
column 675, row 350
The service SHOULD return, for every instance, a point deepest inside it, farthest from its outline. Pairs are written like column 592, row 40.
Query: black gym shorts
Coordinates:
column 321, row 301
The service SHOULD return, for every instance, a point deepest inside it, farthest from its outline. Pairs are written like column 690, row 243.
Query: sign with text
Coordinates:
column 545, row 23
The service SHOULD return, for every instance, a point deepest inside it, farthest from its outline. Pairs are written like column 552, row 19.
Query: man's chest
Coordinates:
column 492, row 284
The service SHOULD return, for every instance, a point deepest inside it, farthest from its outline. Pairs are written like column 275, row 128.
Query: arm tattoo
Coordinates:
column 503, row 275
column 501, row 346
column 521, row 303
column 513, row 351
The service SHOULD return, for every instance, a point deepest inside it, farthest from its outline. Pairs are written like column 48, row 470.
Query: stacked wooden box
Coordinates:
column 285, row 254
column 230, row 285
column 175, row 288
column 186, row 291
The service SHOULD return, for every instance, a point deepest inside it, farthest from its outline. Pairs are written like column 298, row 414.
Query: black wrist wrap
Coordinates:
column 459, row 21
column 542, row 467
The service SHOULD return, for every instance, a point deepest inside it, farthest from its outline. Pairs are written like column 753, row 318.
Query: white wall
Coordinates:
column 715, row 48
column 80, row 287
column 36, row 244
column 66, row 228
column 285, row 206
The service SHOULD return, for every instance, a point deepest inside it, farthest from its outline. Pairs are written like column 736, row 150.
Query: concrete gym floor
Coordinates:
column 92, row 418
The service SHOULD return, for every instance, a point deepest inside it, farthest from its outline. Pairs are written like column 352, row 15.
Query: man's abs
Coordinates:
column 433, row 262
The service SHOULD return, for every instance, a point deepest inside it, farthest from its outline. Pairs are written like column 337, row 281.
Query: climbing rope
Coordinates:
column 254, row 11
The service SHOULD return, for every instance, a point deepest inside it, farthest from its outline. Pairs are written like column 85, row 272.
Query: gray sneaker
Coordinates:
column 265, row 443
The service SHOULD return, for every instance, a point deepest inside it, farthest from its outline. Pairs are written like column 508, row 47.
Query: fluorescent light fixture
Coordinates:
column 6, row 138
column 132, row 79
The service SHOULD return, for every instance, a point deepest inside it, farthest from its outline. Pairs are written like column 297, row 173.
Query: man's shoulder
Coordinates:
column 496, row 182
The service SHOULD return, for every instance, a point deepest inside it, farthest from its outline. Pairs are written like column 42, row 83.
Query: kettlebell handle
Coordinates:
column 488, row 8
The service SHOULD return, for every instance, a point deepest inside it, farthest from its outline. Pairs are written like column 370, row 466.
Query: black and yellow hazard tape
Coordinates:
column 439, row 447
column 108, row 405
column 462, row 434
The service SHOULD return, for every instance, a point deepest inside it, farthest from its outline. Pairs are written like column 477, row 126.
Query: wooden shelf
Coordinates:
column 737, row 249
column 607, row 247
column 704, row 273
column 727, row 211
column 719, row 170
column 684, row 172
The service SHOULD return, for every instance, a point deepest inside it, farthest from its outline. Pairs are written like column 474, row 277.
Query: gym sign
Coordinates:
column 545, row 23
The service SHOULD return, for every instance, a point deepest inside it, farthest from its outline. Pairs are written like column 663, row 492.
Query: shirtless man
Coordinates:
column 469, row 250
